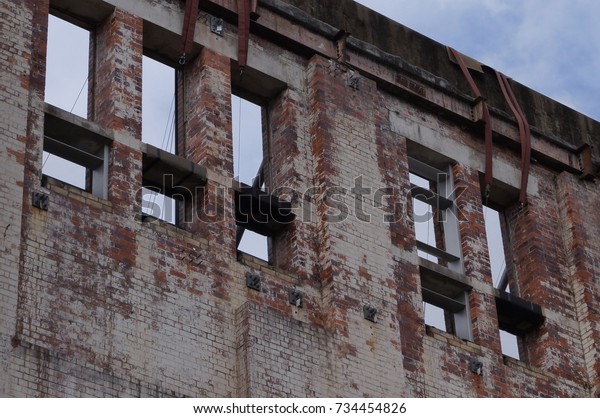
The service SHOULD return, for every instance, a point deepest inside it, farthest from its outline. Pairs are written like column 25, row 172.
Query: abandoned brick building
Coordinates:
column 98, row 298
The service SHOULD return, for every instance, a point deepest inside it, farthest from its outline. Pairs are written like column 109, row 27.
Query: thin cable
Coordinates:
column 79, row 95
column 168, row 125
column 171, row 142
column 70, row 111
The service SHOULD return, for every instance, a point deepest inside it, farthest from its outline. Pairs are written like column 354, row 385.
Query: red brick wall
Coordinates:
column 98, row 303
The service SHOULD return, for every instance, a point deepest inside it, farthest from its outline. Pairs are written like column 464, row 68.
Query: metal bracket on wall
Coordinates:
column 253, row 280
column 296, row 298
column 217, row 26
column 40, row 200
column 369, row 313
column 476, row 367
column 584, row 156
column 354, row 80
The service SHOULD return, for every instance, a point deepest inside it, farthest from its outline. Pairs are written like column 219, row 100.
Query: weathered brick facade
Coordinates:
column 97, row 301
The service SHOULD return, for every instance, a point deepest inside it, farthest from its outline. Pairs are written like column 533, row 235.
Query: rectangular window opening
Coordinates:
column 254, row 244
column 247, row 118
column 436, row 226
column 510, row 344
column 512, row 322
column 67, row 72
column 423, row 215
column 445, row 290
column 159, row 129
column 75, row 151
column 159, row 116
column 67, row 66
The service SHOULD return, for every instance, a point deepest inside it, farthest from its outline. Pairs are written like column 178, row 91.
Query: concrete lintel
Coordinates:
column 463, row 154
column 442, row 280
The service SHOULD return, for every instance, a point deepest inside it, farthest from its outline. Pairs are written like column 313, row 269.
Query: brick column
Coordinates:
column 116, row 79
column 357, row 264
column 23, row 37
column 115, row 102
column 206, row 139
column 289, row 175
column 581, row 232
column 535, row 236
column 476, row 259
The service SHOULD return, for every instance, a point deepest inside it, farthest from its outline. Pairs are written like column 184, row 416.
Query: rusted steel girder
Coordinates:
column 247, row 9
column 487, row 121
column 524, row 133
column 189, row 27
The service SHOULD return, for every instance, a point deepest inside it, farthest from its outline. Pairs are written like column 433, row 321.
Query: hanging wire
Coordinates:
column 79, row 94
column 169, row 126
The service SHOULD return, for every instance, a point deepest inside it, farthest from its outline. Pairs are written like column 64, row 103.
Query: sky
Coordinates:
column 550, row 46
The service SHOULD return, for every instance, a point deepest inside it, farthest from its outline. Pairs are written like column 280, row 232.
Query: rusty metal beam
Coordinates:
column 189, row 26
column 243, row 7
column 247, row 10
column 487, row 122
column 524, row 133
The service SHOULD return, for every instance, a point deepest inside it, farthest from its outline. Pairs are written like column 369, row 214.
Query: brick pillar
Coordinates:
column 207, row 127
column 357, row 264
column 288, row 174
column 206, row 139
column 116, row 79
column 23, row 37
column 581, row 232
column 538, row 252
column 115, row 102
column 482, row 304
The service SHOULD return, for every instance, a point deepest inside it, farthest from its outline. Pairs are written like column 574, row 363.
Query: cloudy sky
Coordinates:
column 552, row 46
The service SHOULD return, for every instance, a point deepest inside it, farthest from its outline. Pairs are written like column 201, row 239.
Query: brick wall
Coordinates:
column 96, row 302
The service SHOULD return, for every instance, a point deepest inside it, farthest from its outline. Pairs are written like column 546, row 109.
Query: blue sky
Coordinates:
column 551, row 46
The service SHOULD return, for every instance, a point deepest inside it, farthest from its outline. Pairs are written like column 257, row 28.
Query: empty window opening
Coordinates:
column 67, row 66
column 436, row 226
column 157, row 205
column 247, row 139
column 75, row 152
column 496, row 247
column 158, row 105
column 495, row 243
column 247, row 162
column 67, row 71
column 444, row 287
column 159, row 130
column 64, row 170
